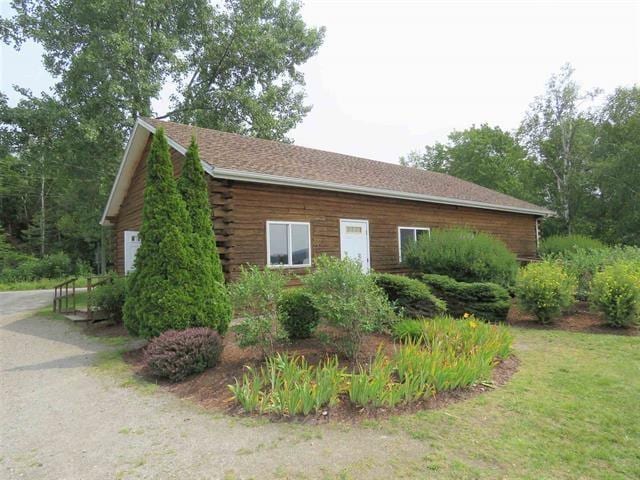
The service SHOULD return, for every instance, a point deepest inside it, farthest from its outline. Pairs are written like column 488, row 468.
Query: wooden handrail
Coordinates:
column 58, row 296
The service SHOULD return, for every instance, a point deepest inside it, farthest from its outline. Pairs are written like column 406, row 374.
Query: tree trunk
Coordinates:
column 42, row 214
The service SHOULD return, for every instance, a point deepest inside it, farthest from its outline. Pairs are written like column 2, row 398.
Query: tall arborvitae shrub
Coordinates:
column 160, row 289
column 210, row 294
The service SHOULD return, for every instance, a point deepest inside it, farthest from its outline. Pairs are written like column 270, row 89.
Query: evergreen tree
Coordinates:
column 160, row 289
column 210, row 294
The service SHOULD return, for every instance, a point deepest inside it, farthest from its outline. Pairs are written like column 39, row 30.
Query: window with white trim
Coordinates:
column 409, row 235
column 288, row 244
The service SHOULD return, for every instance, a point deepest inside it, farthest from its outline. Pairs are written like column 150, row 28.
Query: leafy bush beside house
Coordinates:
column 558, row 244
column 255, row 296
column 585, row 263
column 464, row 255
column 348, row 300
column 299, row 315
column 485, row 300
column 545, row 289
column 109, row 297
column 616, row 293
column 176, row 354
column 412, row 296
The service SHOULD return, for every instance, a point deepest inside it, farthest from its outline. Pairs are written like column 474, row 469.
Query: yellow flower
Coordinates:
column 466, row 315
column 473, row 324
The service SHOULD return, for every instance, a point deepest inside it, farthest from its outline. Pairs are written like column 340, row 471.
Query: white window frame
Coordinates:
column 415, row 237
column 290, row 250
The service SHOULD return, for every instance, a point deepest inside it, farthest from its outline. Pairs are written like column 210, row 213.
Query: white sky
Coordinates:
column 393, row 76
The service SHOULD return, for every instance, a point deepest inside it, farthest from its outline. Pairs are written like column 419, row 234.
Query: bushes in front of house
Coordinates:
column 559, row 244
column 349, row 301
column 451, row 354
column 464, row 255
column 255, row 296
column 545, row 289
column 168, row 289
column 412, row 296
column 176, row 354
column 109, row 297
column 616, row 293
column 288, row 385
column 299, row 315
column 485, row 300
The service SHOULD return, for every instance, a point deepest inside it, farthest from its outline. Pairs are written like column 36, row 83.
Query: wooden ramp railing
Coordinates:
column 61, row 296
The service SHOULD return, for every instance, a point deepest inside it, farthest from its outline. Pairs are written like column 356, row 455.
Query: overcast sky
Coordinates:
column 393, row 76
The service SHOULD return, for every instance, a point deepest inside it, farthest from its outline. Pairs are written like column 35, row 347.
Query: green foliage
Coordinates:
column 463, row 335
column 616, row 293
column 465, row 255
column 288, row 385
column 209, row 293
column 109, row 297
column 559, row 244
column 485, row 300
column 446, row 354
column 56, row 265
column 348, row 300
column 160, row 295
column 488, row 156
column 255, row 296
column 299, row 315
column 584, row 263
column 545, row 289
column 412, row 296
column 176, row 354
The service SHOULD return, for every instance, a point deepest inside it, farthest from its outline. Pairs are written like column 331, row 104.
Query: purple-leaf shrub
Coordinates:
column 176, row 354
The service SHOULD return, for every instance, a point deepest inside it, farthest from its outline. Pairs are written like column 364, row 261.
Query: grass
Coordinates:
column 571, row 411
column 41, row 284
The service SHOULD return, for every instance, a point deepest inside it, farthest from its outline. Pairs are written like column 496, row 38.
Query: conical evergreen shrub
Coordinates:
column 159, row 296
column 210, row 295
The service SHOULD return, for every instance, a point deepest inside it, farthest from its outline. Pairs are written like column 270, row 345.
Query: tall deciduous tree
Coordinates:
column 160, row 288
column 488, row 156
column 236, row 65
column 210, row 294
column 559, row 133
column 616, row 169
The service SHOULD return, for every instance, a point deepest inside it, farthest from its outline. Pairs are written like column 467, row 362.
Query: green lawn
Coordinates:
column 41, row 284
column 571, row 411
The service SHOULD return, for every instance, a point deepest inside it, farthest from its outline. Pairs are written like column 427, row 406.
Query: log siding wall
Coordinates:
column 241, row 210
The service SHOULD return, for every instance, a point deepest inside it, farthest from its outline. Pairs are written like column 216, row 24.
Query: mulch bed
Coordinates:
column 210, row 388
column 579, row 319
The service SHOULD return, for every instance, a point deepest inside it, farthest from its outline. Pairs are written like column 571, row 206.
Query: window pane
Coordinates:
column 419, row 233
column 300, row 244
column 406, row 238
column 278, row 244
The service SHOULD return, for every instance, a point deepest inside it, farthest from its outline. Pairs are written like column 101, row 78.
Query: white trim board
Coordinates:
column 142, row 130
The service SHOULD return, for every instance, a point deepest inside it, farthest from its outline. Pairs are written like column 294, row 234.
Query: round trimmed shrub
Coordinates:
column 176, row 354
column 464, row 255
column 545, row 289
column 109, row 296
column 615, row 291
column 300, row 317
column 557, row 244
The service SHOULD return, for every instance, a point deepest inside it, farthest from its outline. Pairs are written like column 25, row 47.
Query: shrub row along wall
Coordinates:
column 488, row 301
column 413, row 296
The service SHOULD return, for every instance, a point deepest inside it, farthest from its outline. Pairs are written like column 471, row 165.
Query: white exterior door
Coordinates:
column 354, row 241
column 131, row 245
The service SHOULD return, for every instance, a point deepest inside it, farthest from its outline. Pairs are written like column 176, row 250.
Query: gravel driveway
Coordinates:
column 62, row 419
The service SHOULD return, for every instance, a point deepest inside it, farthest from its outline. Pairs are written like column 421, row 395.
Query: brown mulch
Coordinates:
column 210, row 388
column 579, row 319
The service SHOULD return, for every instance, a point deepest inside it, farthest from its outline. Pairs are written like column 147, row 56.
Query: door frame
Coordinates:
column 355, row 220
column 126, row 251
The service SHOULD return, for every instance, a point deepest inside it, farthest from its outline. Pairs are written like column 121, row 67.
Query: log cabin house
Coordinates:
column 280, row 205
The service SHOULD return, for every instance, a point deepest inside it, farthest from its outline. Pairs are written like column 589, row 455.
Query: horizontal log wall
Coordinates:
column 254, row 204
column 241, row 210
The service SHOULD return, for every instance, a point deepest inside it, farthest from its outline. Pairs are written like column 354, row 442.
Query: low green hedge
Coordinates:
column 415, row 298
column 485, row 300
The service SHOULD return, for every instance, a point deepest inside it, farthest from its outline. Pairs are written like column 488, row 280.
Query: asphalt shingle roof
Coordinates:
column 249, row 154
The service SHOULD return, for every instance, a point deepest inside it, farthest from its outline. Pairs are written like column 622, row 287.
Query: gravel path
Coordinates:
column 63, row 418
